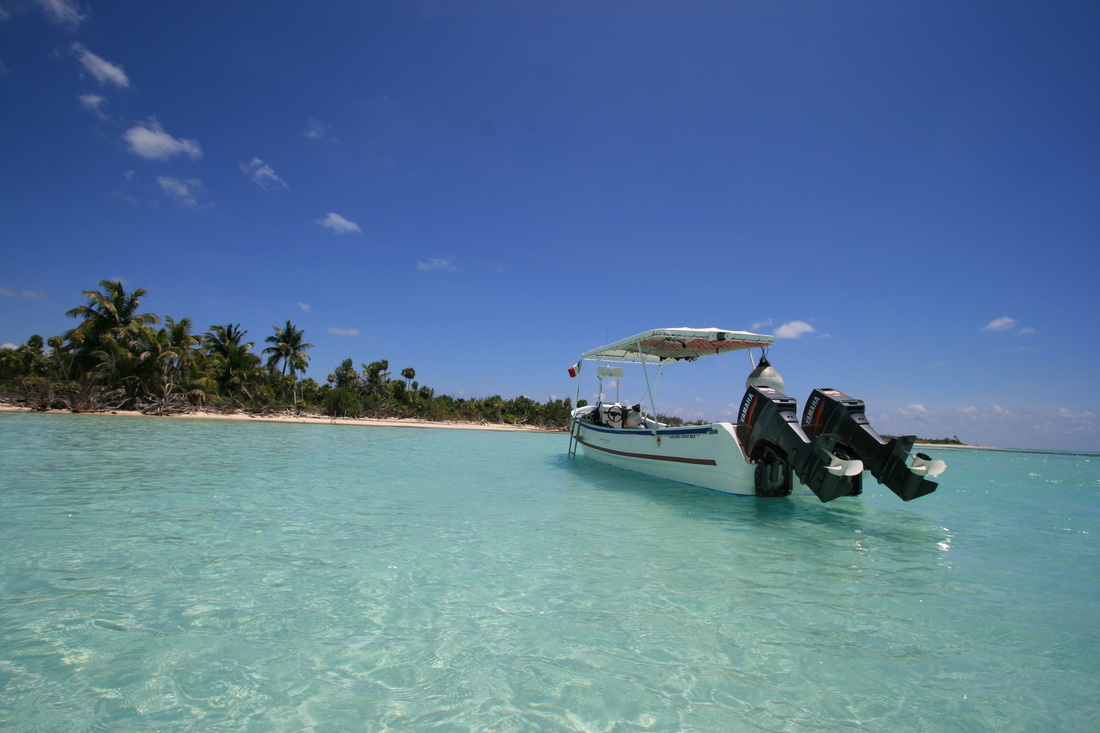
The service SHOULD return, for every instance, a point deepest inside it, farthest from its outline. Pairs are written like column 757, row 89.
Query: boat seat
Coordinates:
column 633, row 416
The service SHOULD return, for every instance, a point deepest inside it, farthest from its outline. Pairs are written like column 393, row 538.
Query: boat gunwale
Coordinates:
column 650, row 432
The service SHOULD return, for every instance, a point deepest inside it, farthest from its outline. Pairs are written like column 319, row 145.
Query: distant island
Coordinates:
column 119, row 359
column 935, row 441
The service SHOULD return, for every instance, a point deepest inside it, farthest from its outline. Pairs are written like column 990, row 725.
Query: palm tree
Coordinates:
column 345, row 376
column 154, row 358
column 57, row 348
column 287, row 347
column 233, row 361
column 181, row 347
column 111, row 330
column 110, row 315
column 409, row 374
column 376, row 375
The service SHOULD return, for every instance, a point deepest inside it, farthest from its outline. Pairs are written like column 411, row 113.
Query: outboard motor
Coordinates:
column 834, row 413
column 768, row 429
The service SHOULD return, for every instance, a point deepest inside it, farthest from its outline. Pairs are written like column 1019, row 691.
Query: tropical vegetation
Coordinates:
column 118, row 358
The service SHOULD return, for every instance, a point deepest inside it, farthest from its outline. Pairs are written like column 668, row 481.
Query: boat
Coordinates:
column 768, row 452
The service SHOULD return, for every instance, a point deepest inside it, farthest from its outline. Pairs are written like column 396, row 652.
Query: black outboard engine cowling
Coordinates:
column 767, row 426
column 834, row 413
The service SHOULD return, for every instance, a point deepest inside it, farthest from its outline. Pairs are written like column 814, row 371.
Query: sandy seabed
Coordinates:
column 304, row 419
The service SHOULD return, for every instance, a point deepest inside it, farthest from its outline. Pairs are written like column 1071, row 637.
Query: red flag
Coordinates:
column 573, row 369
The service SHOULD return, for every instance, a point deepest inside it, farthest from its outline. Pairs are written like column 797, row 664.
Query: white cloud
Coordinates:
column 182, row 191
column 149, row 140
column 343, row 331
column 305, row 307
column 918, row 408
column 1004, row 323
column 1016, row 426
column 759, row 325
column 104, row 71
column 65, row 12
column 437, row 263
column 317, row 130
column 793, row 330
column 263, row 175
column 9, row 345
column 9, row 293
column 94, row 104
column 338, row 224
column 1084, row 415
column 1026, row 331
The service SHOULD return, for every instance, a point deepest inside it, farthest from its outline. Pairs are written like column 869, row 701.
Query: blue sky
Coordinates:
column 907, row 193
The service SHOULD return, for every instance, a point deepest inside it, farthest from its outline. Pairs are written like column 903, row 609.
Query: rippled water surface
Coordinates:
column 178, row 575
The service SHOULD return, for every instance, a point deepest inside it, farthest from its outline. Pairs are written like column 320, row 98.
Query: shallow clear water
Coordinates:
column 172, row 575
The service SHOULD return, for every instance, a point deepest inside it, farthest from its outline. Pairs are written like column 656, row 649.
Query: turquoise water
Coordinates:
column 187, row 575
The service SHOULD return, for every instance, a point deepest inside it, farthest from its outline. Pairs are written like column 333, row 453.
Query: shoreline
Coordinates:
column 953, row 446
column 392, row 422
column 301, row 419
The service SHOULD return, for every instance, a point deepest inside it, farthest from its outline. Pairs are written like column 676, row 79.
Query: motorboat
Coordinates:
column 768, row 452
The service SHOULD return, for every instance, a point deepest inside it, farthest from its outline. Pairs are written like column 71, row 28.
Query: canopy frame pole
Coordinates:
column 649, row 390
column 574, row 424
column 580, row 368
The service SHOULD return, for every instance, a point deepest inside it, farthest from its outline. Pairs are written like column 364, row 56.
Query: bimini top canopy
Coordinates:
column 675, row 344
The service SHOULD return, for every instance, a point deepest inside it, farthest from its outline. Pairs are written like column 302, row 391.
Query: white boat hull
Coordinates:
column 825, row 453
column 709, row 456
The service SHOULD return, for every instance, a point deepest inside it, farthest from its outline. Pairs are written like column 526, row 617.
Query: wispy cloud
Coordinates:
column 1004, row 323
column 1014, row 426
column 149, row 140
column 31, row 294
column 65, row 12
column 438, row 263
column 760, row 325
column 181, row 191
column 338, row 224
column 793, row 330
column 94, row 104
column 104, row 71
column 305, row 307
column 343, row 331
column 263, row 175
column 317, row 130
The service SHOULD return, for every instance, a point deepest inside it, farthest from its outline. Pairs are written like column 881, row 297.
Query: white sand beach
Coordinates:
column 307, row 419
